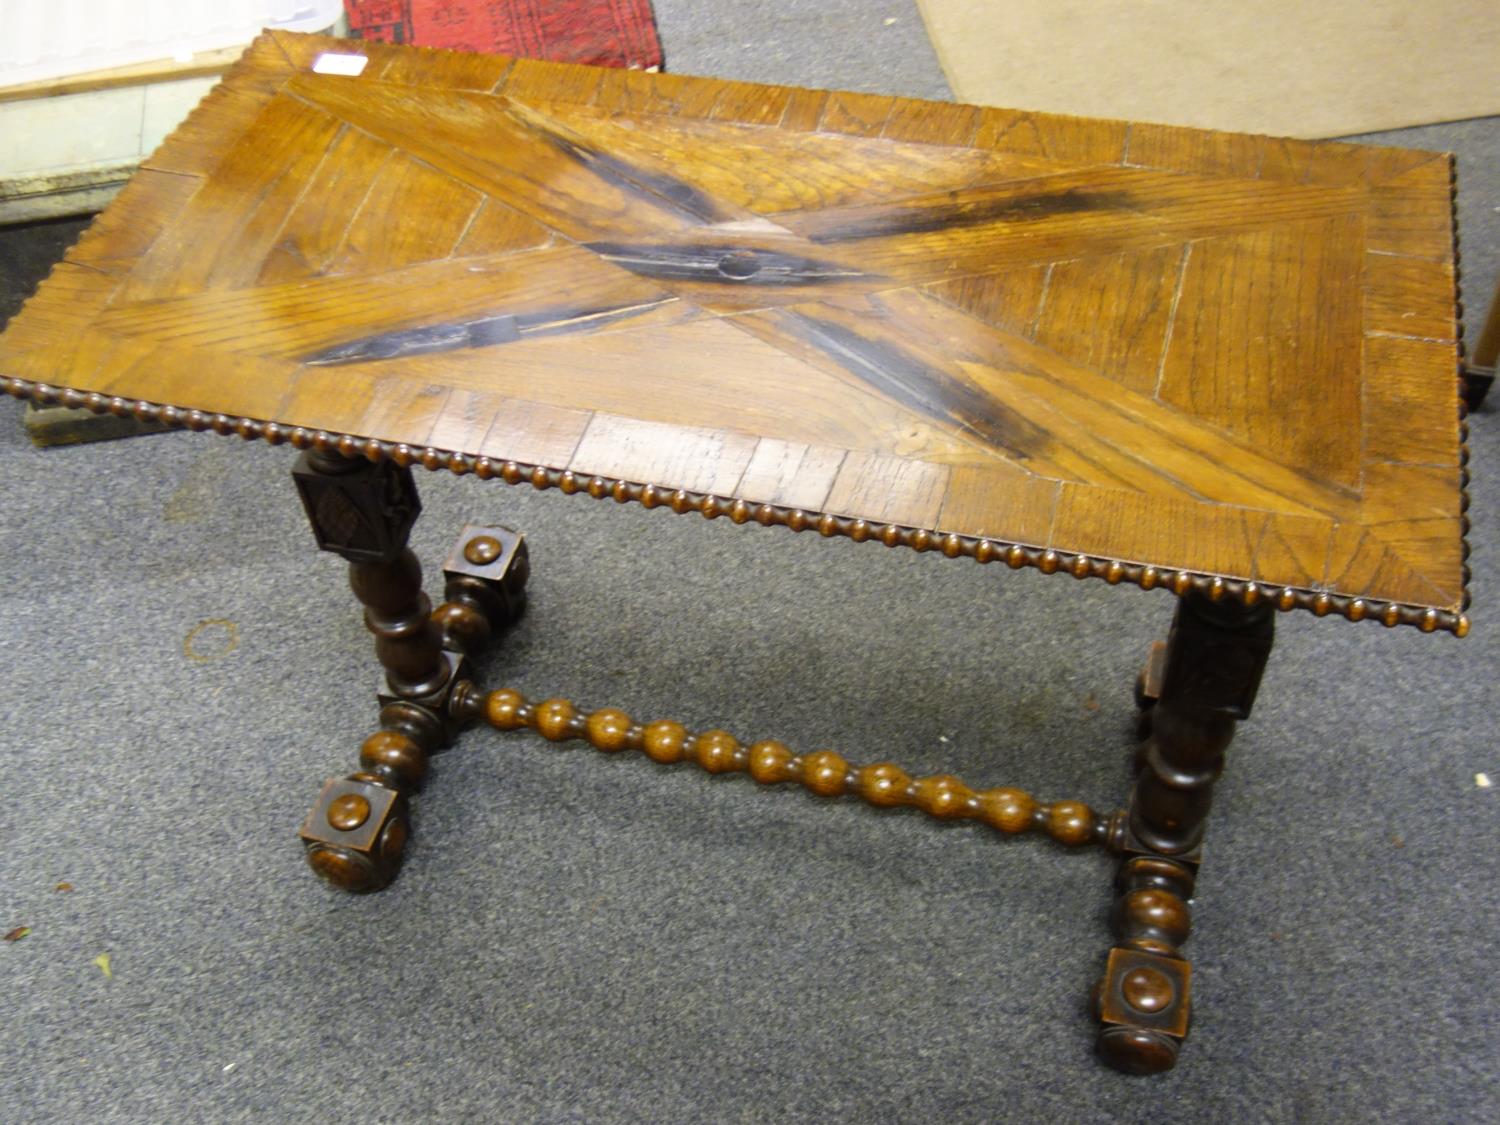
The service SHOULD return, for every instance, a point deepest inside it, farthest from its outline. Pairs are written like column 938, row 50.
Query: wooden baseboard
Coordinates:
column 60, row 425
column 29, row 198
column 141, row 74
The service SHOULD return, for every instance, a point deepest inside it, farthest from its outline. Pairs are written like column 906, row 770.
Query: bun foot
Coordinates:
column 1135, row 1050
column 356, row 834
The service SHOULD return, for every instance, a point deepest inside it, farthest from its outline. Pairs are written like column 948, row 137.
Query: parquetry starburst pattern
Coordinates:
column 1227, row 354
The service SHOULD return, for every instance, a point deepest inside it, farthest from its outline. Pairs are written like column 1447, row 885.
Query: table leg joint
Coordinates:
column 356, row 834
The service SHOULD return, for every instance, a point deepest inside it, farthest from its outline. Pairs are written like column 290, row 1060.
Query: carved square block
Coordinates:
column 1128, row 843
column 355, row 834
column 437, row 704
column 491, row 564
column 1146, row 990
column 349, row 813
column 492, row 552
column 1215, row 668
column 359, row 510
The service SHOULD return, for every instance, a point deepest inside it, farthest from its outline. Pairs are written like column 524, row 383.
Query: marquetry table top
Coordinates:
column 1136, row 352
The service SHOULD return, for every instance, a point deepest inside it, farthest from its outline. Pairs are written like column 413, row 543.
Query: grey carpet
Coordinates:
column 587, row 938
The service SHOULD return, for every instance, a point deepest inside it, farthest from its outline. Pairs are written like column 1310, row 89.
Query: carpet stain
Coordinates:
column 212, row 639
column 198, row 495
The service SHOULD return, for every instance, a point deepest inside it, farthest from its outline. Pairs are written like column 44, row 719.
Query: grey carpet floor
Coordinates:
column 586, row 938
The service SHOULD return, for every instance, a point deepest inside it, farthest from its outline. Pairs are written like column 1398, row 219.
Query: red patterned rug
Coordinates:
column 601, row 32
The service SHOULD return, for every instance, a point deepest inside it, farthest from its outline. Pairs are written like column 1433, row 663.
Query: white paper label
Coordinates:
column 350, row 66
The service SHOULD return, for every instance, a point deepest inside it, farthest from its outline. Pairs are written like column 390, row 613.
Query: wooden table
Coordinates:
column 1225, row 365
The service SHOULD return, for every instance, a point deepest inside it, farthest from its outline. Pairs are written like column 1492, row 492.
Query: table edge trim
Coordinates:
column 1048, row 560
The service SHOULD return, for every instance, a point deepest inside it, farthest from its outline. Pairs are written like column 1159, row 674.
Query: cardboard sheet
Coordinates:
column 1280, row 67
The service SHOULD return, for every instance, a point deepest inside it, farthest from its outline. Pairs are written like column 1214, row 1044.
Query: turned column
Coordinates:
column 1194, row 691
column 365, row 512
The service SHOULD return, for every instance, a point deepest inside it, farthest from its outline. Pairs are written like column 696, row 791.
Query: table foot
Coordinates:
column 356, row 833
column 484, row 587
column 1143, row 1000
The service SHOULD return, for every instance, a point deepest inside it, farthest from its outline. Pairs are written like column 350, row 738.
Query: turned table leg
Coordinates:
column 1193, row 691
column 356, row 833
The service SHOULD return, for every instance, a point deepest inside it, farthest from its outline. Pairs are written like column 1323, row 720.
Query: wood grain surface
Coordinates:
column 1165, row 348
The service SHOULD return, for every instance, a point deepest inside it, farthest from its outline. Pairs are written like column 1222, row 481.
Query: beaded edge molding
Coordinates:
column 1016, row 555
